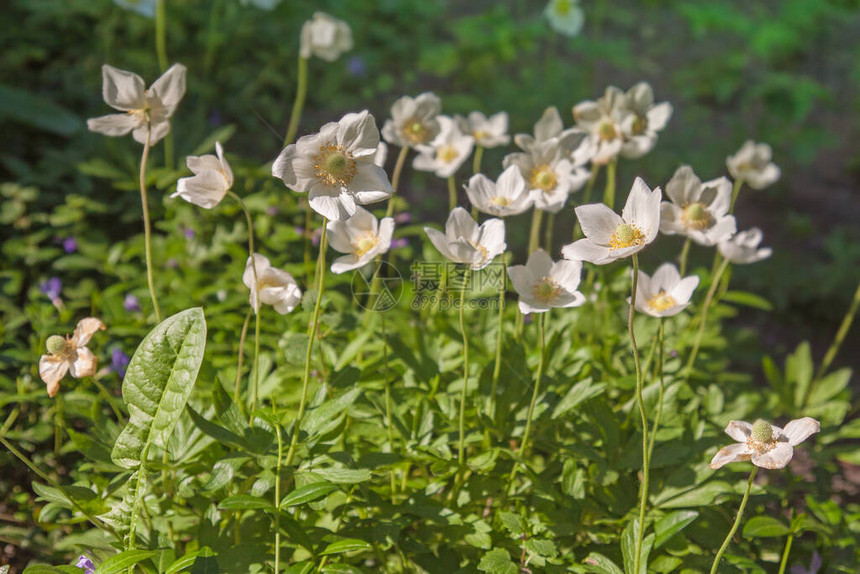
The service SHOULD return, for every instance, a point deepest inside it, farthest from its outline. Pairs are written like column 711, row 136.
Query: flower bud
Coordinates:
column 762, row 431
column 56, row 344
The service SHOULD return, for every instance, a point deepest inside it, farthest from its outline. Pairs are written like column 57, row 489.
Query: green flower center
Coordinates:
column 415, row 131
column 640, row 125
column 563, row 7
column 546, row 290
column 334, row 165
column 364, row 244
column 626, row 235
column 501, row 201
column 762, row 431
column 543, row 178
column 56, row 344
column 695, row 216
column 607, row 131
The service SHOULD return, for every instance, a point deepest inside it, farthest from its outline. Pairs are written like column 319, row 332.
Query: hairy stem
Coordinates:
column 452, row 194
column 609, row 190
column 646, row 463
column 785, row 553
column 497, row 366
column 241, row 355
column 299, row 102
column 461, row 448
column 146, row 224
column 736, row 191
column 395, row 178
column 685, row 252
column 736, row 523
column 534, row 233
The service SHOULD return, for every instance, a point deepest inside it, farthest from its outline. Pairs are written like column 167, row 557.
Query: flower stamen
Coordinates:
column 546, row 290
column 543, row 177
column 662, row 301
column 695, row 215
column 334, row 165
column 626, row 235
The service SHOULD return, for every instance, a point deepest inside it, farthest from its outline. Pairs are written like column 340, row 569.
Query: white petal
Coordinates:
column 549, row 125
column 684, row 289
column 522, row 279
column 585, row 250
column 52, row 369
column 659, row 116
column 460, row 225
column 122, row 90
column 732, row 453
column 739, row 430
column 567, row 274
column 777, row 457
column 113, row 124
column 373, row 179
column 666, row 277
column 540, row 263
column 683, row 186
column 170, row 87
column 440, row 241
column 84, row 365
column 206, row 189
column 598, row 222
column 358, row 133
column 799, row 430
column 201, row 163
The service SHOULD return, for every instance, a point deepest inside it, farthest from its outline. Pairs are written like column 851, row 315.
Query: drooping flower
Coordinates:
column 447, row 152
column 131, row 304
column 752, row 164
column 325, row 37
column 119, row 361
column 550, row 171
column 766, row 445
column 604, row 121
column 211, row 181
column 565, row 16
column 543, row 284
column 647, row 118
column 465, row 242
column 665, row 294
column 609, row 237
column 273, row 287
column 744, row 247
column 698, row 210
column 413, row 120
column 146, row 110
column 336, row 167
column 69, row 355
column 361, row 237
column 488, row 132
column 507, row 196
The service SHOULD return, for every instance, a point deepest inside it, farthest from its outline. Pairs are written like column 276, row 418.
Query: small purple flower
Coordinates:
column 86, row 564
column 52, row 288
column 402, row 218
column 70, row 245
column 315, row 238
column 527, row 319
column 189, row 232
column 272, row 210
column 299, row 230
column 131, row 304
column 356, row 67
column 398, row 243
column 673, row 353
column 172, row 263
column 119, row 361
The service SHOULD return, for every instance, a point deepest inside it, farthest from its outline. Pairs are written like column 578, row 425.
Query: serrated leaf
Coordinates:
column 497, row 561
column 347, row 545
column 120, row 562
column 514, row 523
column 308, row 493
column 764, row 527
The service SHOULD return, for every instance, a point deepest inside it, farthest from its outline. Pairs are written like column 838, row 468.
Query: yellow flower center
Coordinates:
column 607, row 131
column 501, row 201
column 57, row 344
column 334, row 165
column 481, row 249
column 640, row 124
column 662, row 301
column 626, row 235
column 543, row 177
column 761, row 438
column 695, row 216
column 546, row 290
column 364, row 244
column 415, row 131
column 447, row 153
column 562, row 8
column 481, row 135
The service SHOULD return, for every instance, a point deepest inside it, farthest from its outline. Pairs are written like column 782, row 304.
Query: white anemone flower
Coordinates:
column 744, row 247
column 273, row 287
column 70, row 355
column 212, row 179
column 325, row 37
column 361, row 237
column 543, row 284
column 604, row 120
column 507, row 196
column 488, row 132
column 146, row 110
column 766, row 445
column 413, row 120
column 752, row 165
column 647, row 118
column 336, row 167
column 465, row 242
column 548, row 127
column 698, row 210
column 565, row 16
column 447, row 152
column 609, row 237
column 665, row 294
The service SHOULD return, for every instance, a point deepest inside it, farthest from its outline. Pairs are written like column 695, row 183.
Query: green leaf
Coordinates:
column 747, row 299
column 347, row 545
column 188, row 560
column 318, row 419
column 120, row 562
column 41, row 569
column 829, row 386
column 340, row 569
column 222, row 134
column 308, row 493
column 701, row 496
column 497, row 561
column 579, row 393
column 600, row 564
column 344, row 475
column 37, row 111
column 157, row 384
column 245, row 502
column 765, row 527
column 671, row 524
column 514, row 523
column 798, row 370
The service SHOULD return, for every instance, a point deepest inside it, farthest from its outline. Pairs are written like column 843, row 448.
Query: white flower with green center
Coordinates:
column 146, row 110
column 325, row 37
column 69, row 355
column 665, row 294
column 565, row 16
column 447, row 152
column 507, row 196
column 465, row 242
column 609, row 236
column 604, row 121
column 361, row 237
column 543, row 284
column 753, row 165
column 273, row 287
column 212, row 179
column 413, row 120
column 698, row 210
column 488, row 132
column 766, row 445
column 647, row 118
column 336, row 167
column 744, row 247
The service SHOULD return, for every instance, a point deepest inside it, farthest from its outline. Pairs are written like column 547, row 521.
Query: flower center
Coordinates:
column 57, row 344
column 695, row 216
column 546, row 290
column 607, row 131
column 501, row 201
column 415, row 131
column 334, row 165
column 543, row 178
column 563, row 8
column 364, row 244
column 481, row 249
column 662, row 301
column 481, row 135
column 761, row 438
column 626, row 235
column 447, row 153
column 640, row 124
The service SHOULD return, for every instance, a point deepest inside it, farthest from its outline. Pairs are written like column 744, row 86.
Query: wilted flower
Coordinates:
column 131, row 304
column 551, row 172
column 744, row 247
column 665, row 294
column 507, row 196
column 325, row 37
column 609, row 237
column 647, row 118
column 565, row 16
column 488, row 132
column 146, row 111
column 85, row 563
column 362, row 237
column 752, row 165
column 274, row 286
column 119, row 361
column 69, row 355
column 212, row 179
column 542, row 284
column 465, row 242
column 698, row 210
column 447, row 152
column 70, row 245
column 604, row 121
column 766, row 445
column 335, row 166
column 413, row 120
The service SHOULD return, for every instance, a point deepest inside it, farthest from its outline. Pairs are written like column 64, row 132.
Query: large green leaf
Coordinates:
column 159, row 379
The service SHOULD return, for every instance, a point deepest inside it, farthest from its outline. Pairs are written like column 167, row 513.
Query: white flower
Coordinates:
column 70, row 355
column 413, row 120
column 381, row 154
column 548, row 127
column 609, row 237
column 465, row 242
column 125, row 91
column 766, row 445
column 362, row 237
column 542, row 284
column 743, row 247
column 641, row 126
column 212, row 179
column 336, row 167
column 565, row 16
column 604, row 120
column 325, row 37
column 507, row 196
column 665, row 294
column 488, row 132
column 550, row 172
column 752, row 165
column 447, row 152
column 274, row 286
column 698, row 210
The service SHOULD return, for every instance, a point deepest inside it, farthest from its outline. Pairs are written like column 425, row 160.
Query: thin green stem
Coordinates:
column 476, row 161
column 715, row 282
column 662, row 390
column 236, row 393
column 685, row 252
column 736, row 191
column 255, row 394
column 548, row 232
column 461, row 448
column 395, row 178
column 388, row 420
column 534, row 233
column 497, row 367
column 299, row 102
column 58, row 423
column 736, row 523
column 586, row 198
column 278, row 500
column 146, row 224
column 609, row 190
column 452, row 194
column 646, row 463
